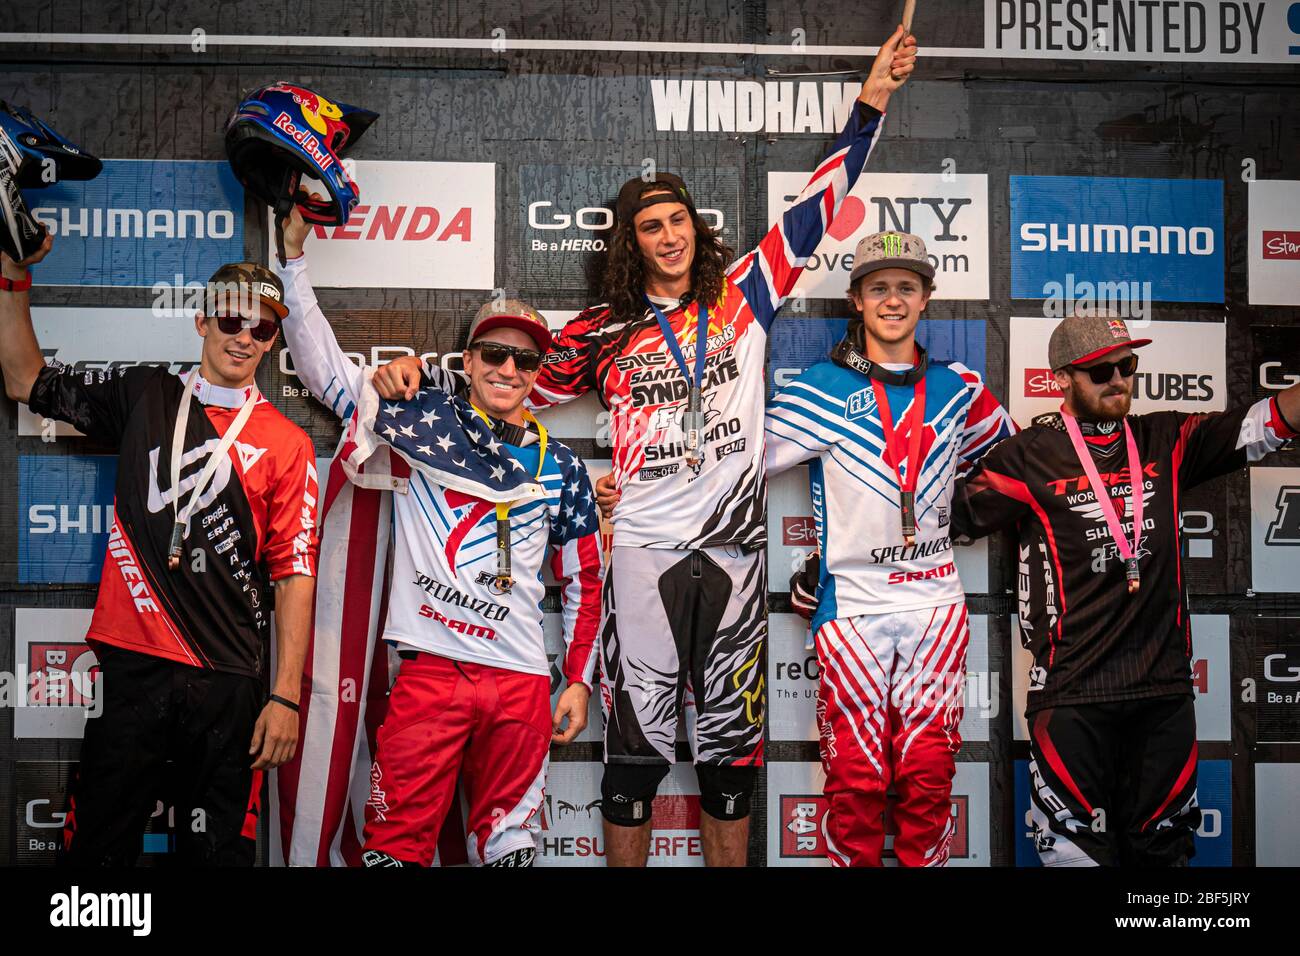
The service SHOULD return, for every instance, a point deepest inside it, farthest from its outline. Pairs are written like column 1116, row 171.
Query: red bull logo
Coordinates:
column 307, row 140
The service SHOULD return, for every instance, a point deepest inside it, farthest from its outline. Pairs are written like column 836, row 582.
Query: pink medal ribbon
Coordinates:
column 1102, row 494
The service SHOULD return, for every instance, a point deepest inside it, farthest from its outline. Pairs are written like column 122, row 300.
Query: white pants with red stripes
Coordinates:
column 890, row 700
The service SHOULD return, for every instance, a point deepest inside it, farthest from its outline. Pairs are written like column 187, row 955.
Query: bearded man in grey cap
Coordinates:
column 1103, row 603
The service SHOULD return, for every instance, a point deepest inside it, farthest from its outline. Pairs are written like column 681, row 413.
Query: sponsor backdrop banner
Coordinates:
column 418, row 226
column 102, row 339
column 142, row 222
column 950, row 213
column 65, row 511
column 474, row 180
column 1274, row 528
column 1141, row 239
column 1182, row 370
column 1274, row 242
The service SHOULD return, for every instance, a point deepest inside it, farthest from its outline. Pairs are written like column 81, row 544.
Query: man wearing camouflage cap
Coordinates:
column 472, row 697
column 1103, row 603
column 886, row 429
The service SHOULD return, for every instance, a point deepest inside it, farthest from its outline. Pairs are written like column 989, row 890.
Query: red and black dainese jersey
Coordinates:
column 254, row 523
column 1092, row 641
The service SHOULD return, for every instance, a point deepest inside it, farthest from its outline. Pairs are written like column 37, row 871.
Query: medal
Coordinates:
column 1128, row 552
column 504, row 580
column 914, row 424
column 693, row 418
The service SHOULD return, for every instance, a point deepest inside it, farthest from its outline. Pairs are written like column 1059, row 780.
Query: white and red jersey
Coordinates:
column 722, row 500
column 442, row 597
column 829, row 415
column 254, row 523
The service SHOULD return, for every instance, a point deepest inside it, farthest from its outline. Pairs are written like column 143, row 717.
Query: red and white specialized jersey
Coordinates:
column 829, row 415
column 254, row 523
column 442, row 597
column 722, row 500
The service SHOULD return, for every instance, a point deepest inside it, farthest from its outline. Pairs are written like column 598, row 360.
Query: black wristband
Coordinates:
column 283, row 703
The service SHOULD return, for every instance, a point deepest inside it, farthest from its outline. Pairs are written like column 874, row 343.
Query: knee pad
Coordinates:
column 523, row 857
column 379, row 858
column 628, row 789
column 725, row 790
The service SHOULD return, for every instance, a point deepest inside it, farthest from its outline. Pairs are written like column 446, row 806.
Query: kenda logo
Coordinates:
column 129, row 910
column 1281, row 245
column 448, row 210
column 141, row 222
column 404, row 224
column 1165, row 232
column 747, row 106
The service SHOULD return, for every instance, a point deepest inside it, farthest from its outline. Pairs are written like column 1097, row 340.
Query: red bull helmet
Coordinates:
column 32, row 156
column 279, row 134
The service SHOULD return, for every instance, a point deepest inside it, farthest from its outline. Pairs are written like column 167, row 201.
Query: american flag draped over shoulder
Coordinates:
column 320, row 795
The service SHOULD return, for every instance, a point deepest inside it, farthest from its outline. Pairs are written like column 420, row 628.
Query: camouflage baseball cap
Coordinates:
column 1083, row 338
column 511, row 314
column 890, row 250
column 246, row 281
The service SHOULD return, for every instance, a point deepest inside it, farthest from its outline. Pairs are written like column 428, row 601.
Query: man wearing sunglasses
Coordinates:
column 213, row 504
column 1103, row 603
column 464, row 609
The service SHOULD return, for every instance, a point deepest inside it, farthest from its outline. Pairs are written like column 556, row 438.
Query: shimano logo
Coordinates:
column 138, row 223
column 1116, row 238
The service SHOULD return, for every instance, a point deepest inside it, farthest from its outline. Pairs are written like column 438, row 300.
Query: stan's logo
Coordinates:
column 1285, row 529
column 798, row 532
column 1040, row 383
column 860, row 404
column 1282, row 245
column 803, row 818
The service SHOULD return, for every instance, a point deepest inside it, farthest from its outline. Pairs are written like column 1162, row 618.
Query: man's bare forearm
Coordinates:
column 20, row 354
column 293, row 604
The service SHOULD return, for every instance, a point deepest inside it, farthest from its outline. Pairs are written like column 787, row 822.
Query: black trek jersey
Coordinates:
column 1092, row 641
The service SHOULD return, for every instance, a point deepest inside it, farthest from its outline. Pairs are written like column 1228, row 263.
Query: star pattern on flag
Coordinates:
column 440, row 432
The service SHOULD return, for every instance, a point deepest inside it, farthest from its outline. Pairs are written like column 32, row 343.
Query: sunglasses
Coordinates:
column 261, row 329
column 1104, row 371
column 495, row 354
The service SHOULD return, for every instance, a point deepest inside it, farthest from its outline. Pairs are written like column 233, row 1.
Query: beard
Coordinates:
column 1090, row 407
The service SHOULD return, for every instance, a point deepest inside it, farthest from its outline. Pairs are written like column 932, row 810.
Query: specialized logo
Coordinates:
column 1281, row 245
column 1285, row 529
column 450, row 595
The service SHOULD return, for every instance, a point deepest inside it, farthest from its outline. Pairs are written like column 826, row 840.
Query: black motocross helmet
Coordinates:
column 32, row 156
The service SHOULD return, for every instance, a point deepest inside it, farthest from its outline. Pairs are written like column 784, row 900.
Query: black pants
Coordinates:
column 1115, row 784
column 155, row 711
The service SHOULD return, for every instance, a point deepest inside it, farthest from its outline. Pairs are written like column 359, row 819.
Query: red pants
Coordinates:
column 489, row 726
column 888, row 707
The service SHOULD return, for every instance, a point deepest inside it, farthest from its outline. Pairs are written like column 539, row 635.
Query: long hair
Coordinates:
column 620, row 276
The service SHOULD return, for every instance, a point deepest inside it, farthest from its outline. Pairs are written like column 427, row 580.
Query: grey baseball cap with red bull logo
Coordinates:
column 511, row 314
column 890, row 250
column 1084, row 338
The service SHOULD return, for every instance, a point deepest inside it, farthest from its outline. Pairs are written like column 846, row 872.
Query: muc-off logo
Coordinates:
column 860, row 404
column 1285, row 529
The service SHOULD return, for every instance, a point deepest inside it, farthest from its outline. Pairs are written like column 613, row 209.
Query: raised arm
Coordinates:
column 317, row 357
column 20, row 355
column 768, row 273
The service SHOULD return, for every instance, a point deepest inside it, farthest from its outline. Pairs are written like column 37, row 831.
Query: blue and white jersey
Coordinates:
column 828, row 416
